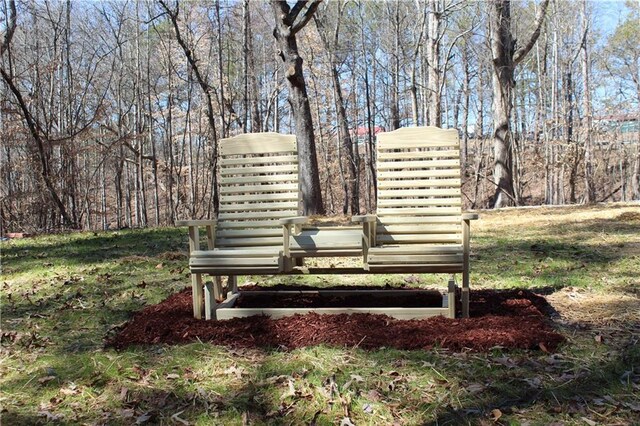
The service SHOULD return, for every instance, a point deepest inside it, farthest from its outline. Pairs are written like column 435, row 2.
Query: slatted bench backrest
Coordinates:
column 419, row 196
column 258, row 186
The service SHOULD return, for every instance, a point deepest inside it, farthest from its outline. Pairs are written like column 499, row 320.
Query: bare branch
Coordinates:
column 11, row 26
column 297, row 25
column 522, row 52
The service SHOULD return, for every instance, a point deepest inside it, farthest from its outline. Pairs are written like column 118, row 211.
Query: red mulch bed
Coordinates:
column 505, row 318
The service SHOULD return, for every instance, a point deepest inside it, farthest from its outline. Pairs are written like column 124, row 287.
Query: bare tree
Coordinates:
column 289, row 21
column 206, row 90
column 505, row 58
column 330, row 41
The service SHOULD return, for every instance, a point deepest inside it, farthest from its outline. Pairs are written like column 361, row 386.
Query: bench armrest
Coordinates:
column 298, row 220
column 202, row 222
column 366, row 218
column 194, row 232
column 470, row 216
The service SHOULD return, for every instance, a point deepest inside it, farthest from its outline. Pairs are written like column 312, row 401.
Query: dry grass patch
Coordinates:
column 584, row 306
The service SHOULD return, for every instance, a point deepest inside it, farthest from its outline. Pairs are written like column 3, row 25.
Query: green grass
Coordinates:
column 62, row 295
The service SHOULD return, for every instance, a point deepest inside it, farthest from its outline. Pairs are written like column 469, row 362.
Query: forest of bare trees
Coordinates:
column 110, row 112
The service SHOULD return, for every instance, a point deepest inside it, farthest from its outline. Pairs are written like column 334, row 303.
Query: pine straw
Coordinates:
column 597, row 309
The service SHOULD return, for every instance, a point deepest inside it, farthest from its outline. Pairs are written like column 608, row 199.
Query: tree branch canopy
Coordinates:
column 296, row 24
column 522, row 52
column 11, row 27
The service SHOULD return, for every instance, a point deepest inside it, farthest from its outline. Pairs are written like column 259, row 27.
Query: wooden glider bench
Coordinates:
column 418, row 226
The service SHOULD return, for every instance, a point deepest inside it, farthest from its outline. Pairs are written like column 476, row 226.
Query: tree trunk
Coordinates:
column 433, row 61
column 352, row 188
column 505, row 58
column 285, row 34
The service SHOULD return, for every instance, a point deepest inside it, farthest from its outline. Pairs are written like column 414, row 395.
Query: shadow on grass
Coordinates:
column 567, row 393
column 86, row 248
column 597, row 226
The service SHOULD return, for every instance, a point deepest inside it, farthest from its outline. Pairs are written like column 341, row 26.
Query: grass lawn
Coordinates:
column 63, row 294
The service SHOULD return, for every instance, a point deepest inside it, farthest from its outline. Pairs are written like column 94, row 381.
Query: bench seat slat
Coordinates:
column 402, row 250
column 418, row 238
column 426, row 259
column 268, row 251
column 248, row 242
column 233, row 261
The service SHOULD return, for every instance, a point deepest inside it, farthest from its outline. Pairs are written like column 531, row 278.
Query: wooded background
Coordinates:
column 111, row 111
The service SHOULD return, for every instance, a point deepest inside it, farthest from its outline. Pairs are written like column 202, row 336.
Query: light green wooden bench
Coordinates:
column 258, row 187
column 419, row 226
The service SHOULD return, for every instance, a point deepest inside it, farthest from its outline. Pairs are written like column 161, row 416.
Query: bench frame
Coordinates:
column 219, row 300
column 420, row 178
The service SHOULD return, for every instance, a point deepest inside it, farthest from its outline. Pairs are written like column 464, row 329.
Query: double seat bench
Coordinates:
column 418, row 227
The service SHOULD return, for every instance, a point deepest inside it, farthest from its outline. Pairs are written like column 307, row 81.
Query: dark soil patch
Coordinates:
column 256, row 299
column 507, row 318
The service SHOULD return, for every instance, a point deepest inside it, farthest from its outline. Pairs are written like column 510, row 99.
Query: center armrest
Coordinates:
column 366, row 218
column 298, row 220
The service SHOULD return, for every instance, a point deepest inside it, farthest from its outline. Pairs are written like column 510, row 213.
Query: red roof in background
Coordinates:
column 364, row 131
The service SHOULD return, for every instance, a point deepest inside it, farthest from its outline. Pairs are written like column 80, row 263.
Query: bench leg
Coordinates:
column 465, row 292
column 451, row 297
column 209, row 302
column 232, row 284
column 196, row 291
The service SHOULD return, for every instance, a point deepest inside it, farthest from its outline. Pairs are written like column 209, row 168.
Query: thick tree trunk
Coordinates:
column 502, row 47
column 285, row 34
column 433, row 61
column 505, row 57
column 589, row 188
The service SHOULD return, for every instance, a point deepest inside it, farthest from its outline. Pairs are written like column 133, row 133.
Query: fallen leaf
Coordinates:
column 176, row 418
column 143, row 418
column 274, row 379
column 127, row 413
column 49, row 415
column 346, row 422
column 159, row 266
column 291, row 390
column 367, row 408
column 373, row 395
column 598, row 338
column 233, row 370
column 633, row 407
column 589, row 421
column 45, row 379
column 173, row 376
column 123, row 394
column 357, row 378
column 496, row 414
column 475, row 388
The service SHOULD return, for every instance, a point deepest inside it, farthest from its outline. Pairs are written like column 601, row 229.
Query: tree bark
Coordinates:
column 290, row 20
column 505, row 58
column 433, row 61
